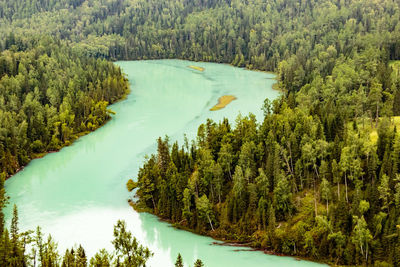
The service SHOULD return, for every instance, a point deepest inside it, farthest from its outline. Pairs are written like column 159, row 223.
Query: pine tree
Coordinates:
column 127, row 247
column 179, row 262
column 198, row 263
column 80, row 257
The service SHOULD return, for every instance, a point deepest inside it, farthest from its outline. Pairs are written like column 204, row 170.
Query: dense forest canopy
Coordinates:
column 318, row 177
column 283, row 186
column 259, row 34
column 49, row 95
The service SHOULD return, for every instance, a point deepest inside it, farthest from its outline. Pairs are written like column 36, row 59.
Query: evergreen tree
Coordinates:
column 179, row 262
column 198, row 263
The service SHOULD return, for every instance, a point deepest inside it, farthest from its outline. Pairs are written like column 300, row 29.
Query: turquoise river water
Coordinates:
column 79, row 193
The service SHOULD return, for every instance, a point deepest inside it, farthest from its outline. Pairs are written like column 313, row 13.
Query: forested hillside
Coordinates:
column 259, row 34
column 49, row 95
column 283, row 186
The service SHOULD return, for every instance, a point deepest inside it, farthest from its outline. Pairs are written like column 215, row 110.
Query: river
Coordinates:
column 79, row 193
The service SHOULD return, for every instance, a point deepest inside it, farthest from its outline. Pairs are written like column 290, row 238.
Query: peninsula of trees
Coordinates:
column 50, row 95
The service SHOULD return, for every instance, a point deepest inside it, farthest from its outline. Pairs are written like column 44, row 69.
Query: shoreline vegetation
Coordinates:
column 76, row 137
column 127, row 251
column 72, row 100
column 219, row 241
column 223, row 101
column 229, row 185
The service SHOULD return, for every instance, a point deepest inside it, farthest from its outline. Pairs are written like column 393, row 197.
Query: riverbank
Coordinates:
column 222, row 240
column 75, row 136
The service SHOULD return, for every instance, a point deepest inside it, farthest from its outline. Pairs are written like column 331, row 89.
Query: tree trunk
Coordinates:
column 209, row 220
column 315, row 200
column 345, row 182
column 154, row 204
column 327, row 207
column 315, row 192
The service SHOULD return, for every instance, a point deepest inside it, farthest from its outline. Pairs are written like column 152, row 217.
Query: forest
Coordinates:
column 317, row 178
column 49, row 96
column 252, row 33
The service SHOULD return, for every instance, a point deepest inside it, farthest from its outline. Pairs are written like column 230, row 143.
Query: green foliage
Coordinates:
column 205, row 210
column 361, row 236
column 49, row 95
column 296, row 40
column 131, row 185
column 179, row 261
column 101, row 259
column 285, row 199
column 265, row 183
column 198, row 263
column 128, row 251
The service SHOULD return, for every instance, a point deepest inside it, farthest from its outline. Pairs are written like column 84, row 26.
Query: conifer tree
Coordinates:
column 179, row 262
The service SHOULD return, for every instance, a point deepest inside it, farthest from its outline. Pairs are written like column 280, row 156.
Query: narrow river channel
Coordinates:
column 79, row 193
